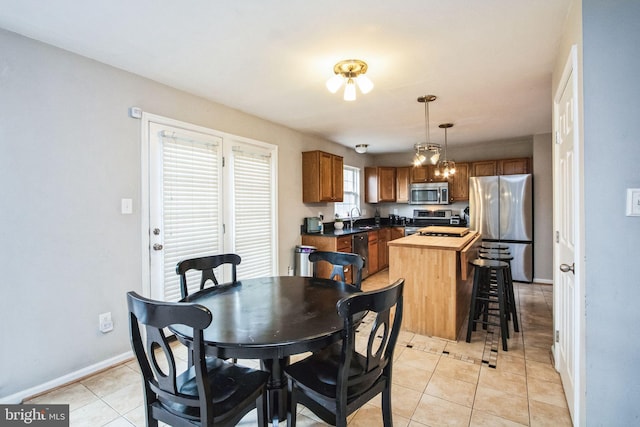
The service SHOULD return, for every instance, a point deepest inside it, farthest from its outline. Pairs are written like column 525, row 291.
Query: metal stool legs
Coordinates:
column 483, row 294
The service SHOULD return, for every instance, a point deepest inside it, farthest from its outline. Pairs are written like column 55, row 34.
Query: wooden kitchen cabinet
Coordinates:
column 372, row 262
column 425, row 174
column 484, row 168
column 322, row 177
column 501, row 167
column 459, row 183
column 380, row 184
column 402, row 184
column 514, row 166
column 331, row 244
column 384, row 235
column 397, row 232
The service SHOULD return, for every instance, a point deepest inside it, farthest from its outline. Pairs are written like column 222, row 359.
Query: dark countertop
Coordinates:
column 368, row 224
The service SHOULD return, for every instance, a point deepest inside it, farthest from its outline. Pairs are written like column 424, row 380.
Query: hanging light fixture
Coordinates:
column 445, row 167
column 426, row 150
column 350, row 72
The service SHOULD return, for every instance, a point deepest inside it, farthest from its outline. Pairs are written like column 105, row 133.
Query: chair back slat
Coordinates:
column 206, row 265
column 339, row 260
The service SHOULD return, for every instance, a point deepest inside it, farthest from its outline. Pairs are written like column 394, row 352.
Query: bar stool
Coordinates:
column 483, row 295
column 498, row 255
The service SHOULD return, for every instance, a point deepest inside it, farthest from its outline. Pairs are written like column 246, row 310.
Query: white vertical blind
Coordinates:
column 191, row 190
column 253, row 193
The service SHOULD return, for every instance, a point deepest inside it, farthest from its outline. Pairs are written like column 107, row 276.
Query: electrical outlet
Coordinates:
column 105, row 322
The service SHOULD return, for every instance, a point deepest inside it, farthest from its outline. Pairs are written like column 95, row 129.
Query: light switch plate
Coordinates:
column 633, row 201
column 126, row 206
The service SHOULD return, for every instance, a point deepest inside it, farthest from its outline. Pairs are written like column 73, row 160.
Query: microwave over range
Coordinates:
column 429, row 193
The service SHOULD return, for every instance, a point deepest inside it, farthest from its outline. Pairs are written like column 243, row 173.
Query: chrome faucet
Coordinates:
column 351, row 215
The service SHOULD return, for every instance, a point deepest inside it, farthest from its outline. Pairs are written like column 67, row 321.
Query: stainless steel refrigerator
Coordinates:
column 501, row 209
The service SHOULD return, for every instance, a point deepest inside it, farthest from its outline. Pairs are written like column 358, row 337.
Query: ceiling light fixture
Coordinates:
column 362, row 148
column 426, row 150
column 445, row 167
column 350, row 72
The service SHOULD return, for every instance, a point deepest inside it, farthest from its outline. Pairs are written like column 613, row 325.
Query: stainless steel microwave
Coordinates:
column 429, row 193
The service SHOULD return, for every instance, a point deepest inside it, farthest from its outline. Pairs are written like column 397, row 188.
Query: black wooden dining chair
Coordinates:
column 333, row 384
column 340, row 261
column 211, row 392
column 206, row 265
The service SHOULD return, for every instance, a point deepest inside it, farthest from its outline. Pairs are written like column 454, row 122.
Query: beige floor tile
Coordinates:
column 411, row 377
column 119, row 422
column 538, row 354
column 503, row 381
column 418, row 359
column 403, row 400
column 429, row 344
column 546, row 415
column 126, row 399
column 508, row 362
column 75, row 395
column 484, row 419
column 547, row 392
column 137, row 416
column 502, row 404
column 542, row 371
column 458, row 369
column 432, row 411
column 371, row 416
column 450, row 389
column 112, row 380
column 94, row 414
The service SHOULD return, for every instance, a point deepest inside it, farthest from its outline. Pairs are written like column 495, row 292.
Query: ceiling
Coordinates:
column 489, row 62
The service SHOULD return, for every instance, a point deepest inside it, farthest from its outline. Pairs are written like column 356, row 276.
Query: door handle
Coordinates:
column 565, row 268
column 157, row 247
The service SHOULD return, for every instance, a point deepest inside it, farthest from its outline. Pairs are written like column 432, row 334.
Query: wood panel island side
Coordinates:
column 438, row 280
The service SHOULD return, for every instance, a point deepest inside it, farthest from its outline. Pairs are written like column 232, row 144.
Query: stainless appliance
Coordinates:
column 360, row 246
column 500, row 209
column 313, row 224
column 429, row 193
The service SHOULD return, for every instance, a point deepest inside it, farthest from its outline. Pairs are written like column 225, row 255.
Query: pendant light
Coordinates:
column 445, row 167
column 426, row 150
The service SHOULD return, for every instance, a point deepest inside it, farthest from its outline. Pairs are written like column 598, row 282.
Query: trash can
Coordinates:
column 303, row 267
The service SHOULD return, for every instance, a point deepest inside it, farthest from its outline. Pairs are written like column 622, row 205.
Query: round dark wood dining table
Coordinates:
column 270, row 319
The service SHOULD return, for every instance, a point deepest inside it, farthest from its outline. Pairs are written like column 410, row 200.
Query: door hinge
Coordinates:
column 557, row 237
column 557, row 336
column 224, row 228
column 222, row 161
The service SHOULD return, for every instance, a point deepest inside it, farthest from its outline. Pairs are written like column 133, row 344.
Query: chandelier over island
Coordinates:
column 445, row 167
column 426, row 151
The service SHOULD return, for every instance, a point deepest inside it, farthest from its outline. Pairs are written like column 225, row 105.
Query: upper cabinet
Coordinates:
column 402, row 184
column 380, row 184
column 425, row 174
column 501, row 167
column 459, row 183
column 322, row 177
column 514, row 166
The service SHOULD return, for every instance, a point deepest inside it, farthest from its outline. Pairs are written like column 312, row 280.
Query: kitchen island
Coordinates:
column 438, row 279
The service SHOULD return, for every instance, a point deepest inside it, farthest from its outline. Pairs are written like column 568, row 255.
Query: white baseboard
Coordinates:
column 543, row 281
column 65, row 379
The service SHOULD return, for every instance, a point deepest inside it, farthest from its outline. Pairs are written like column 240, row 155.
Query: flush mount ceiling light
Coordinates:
column 350, row 72
column 426, row 150
column 362, row 148
column 445, row 167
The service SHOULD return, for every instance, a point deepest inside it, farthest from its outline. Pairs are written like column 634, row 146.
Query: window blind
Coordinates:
column 253, row 211
column 191, row 215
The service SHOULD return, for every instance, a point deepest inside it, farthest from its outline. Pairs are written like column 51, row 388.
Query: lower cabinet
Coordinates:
column 397, row 232
column 372, row 262
column 384, row 235
column 331, row 244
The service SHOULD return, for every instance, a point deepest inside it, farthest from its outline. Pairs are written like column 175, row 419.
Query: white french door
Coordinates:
column 208, row 193
column 567, row 277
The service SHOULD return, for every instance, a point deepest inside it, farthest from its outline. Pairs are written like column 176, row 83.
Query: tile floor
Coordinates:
column 436, row 382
